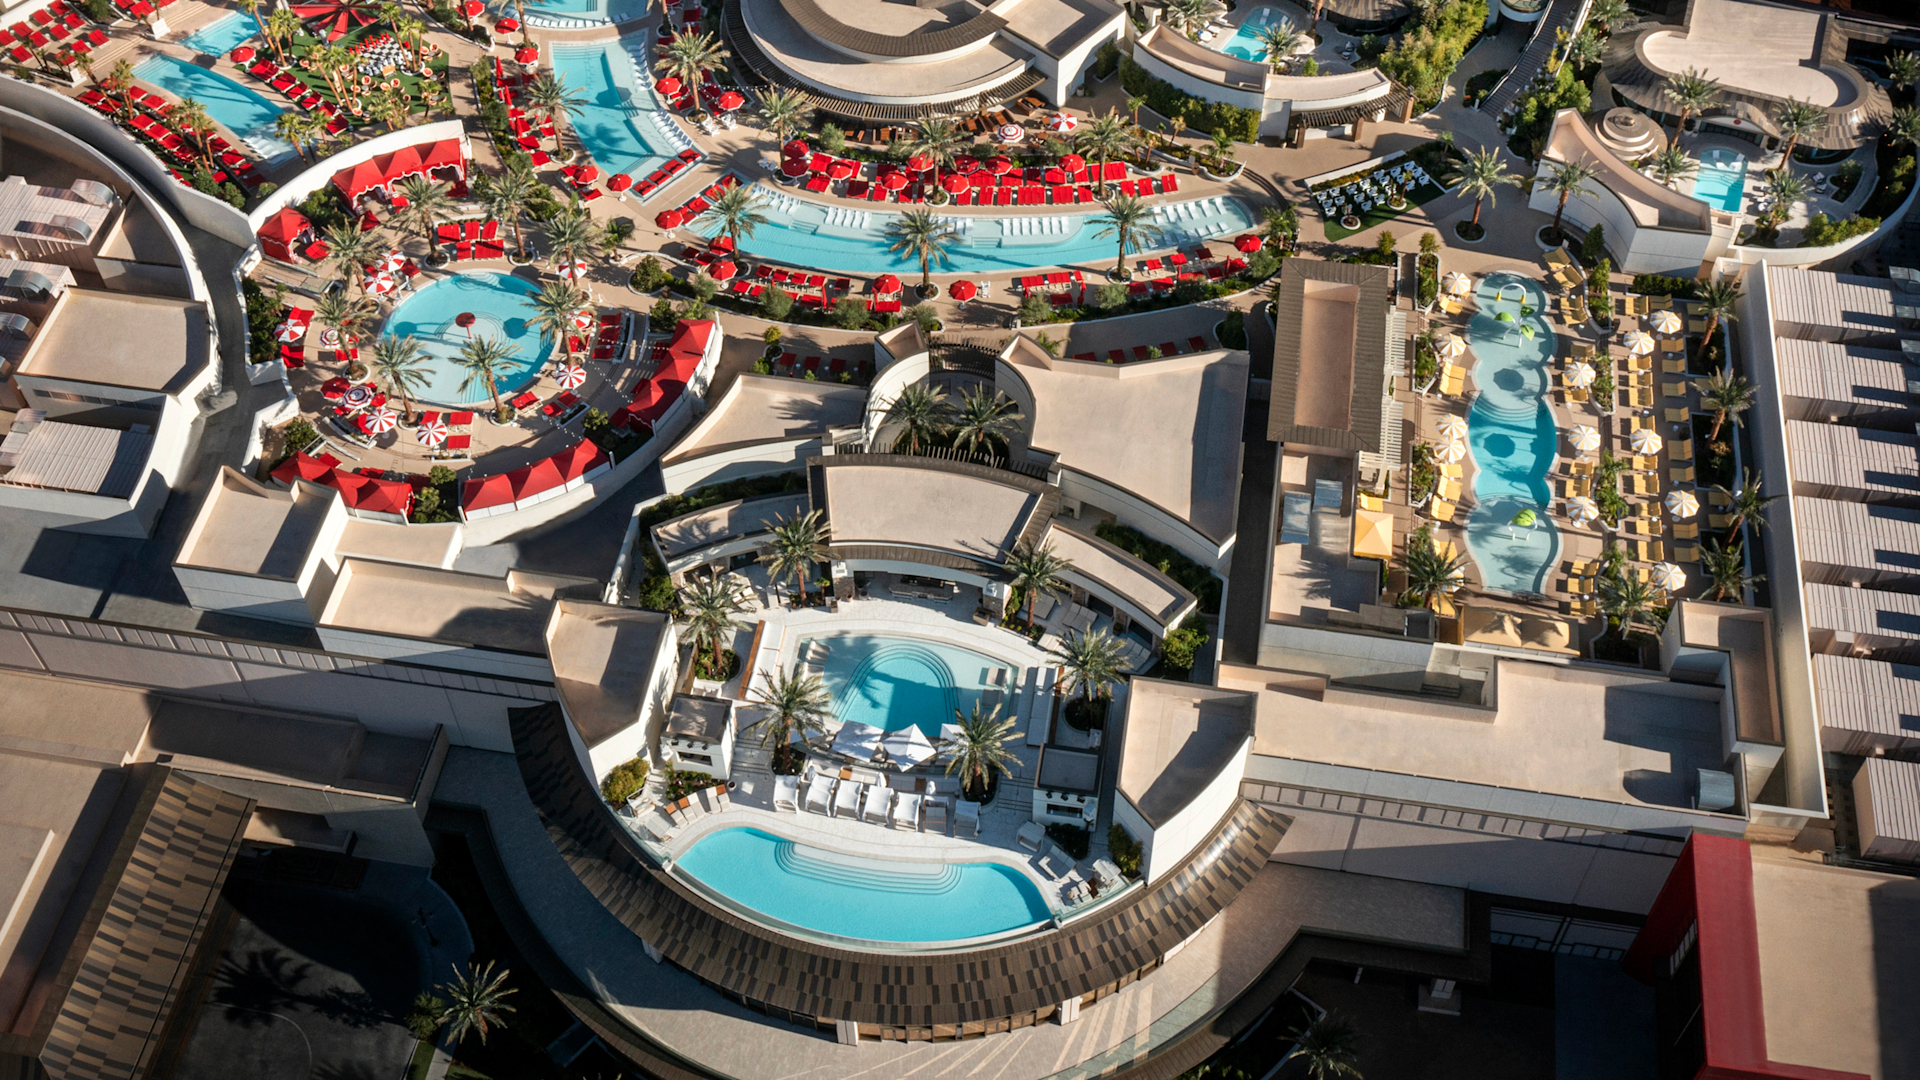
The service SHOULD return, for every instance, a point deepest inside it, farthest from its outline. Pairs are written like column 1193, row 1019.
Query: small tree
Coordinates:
column 476, row 1000
column 849, row 313
column 978, row 750
column 797, row 705
column 1727, row 396
column 708, row 606
column 1037, row 570
column 796, row 545
column 1090, row 663
column 1326, row 1045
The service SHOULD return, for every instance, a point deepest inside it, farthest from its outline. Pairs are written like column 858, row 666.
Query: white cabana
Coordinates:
column 857, row 740
column 907, row 746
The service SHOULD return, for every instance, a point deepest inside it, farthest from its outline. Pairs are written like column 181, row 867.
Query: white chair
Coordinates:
column 786, row 794
column 1055, row 863
column 967, row 817
column 906, row 811
column 1031, row 836
column 820, row 796
column 1108, row 874
column 879, row 801
column 846, row 799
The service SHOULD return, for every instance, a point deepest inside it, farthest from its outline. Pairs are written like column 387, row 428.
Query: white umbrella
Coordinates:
column 357, row 397
column 1451, row 346
column 381, row 421
column 432, row 433
column 1010, row 133
column 1451, row 451
column 1638, row 342
column 1582, row 511
column 1062, row 123
column 291, row 331
column 1666, row 322
column 1584, row 438
column 1645, row 441
column 1457, row 283
column 1669, row 577
column 571, row 377
column 1682, row 503
column 573, row 273
column 393, row 260
column 1453, row 428
column 1580, row 375
column 857, row 740
column 583, row 321
column 907, row 747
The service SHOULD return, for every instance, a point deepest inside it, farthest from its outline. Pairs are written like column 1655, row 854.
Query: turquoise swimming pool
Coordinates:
column 891, row 682
column 620, row 123
column 801, row 232
column 1245, row 44
column 1512, row 436
column 1722, row 179
column 500, row 305
column 222, row 36
column 248, row 115
column 847, row 897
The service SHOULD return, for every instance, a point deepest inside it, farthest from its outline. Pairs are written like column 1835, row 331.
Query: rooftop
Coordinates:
column 1849, row 462
column 49, row 212
column 509, row 613
column 1821, row 306
column 698, row 716
column 77, row 457
column 306, row 751
column 1759, row 48
column 1153, row 592
column 602, row 657
column 249, row 528
column 767, row 408
column 421, row 545
column 926, row 504
column 1054, row 27
column 1844, row 381
column 1649, row 201
column 116, row 339
column 802, row 53
column 728, row 521
column 1854, row 541
column 1330, row 355
column 1178, row 738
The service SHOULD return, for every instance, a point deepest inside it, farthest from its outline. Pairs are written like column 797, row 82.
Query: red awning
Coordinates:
column 358, row 180
column 303, row 467
column 578, row 460
column 485, row 492
column 281, row 234
column 542, row 475
column 653, row 397
column 375, row 495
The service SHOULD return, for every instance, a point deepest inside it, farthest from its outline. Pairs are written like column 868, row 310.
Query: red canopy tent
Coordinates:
column 653, row 397
column 375, row 495
column 304, row 467
column 285, row 234
column 338, row 17
column 530, row 480
column 485, row 492
column 383, row 169
column 579, row 459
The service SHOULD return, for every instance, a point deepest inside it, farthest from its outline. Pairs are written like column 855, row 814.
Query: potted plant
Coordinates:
column 1603, row 389
column 772, row 338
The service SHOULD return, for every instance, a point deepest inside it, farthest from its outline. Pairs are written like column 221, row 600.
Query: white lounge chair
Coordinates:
column 1108, row 873
column 786, row 794
column 879, row 800
column 906, row 811
column 1055, row 863
column 967, row 817
column 820, row 795
column 846, row 799
column 1031, row 836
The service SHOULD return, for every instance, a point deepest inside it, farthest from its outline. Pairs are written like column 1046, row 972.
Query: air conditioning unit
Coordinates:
column 1715, row 792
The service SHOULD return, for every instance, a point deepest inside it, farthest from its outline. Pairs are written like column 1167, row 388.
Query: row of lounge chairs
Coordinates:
column 870, row 797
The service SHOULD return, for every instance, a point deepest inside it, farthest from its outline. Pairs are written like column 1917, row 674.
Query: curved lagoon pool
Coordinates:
column 850, row 897
column 1512, row 436
column 500, row 304
column 891, row 682
column 238, row 109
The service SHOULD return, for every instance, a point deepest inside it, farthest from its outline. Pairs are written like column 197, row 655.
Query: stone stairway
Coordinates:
column 1567, row 14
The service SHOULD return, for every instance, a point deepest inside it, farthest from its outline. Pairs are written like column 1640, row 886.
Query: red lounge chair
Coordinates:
column 1139, row 352
column 1197, row 344
column 459, row 419
column 459, row 442
column 1168, row 348
column 1116, row 356
column 524, row 400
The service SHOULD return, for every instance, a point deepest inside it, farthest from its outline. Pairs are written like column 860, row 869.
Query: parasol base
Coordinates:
column 926, row 292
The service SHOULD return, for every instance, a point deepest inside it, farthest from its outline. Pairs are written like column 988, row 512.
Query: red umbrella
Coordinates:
column 955, row 183
column 894, row 181
column 841, row 170
column 919, row 163
column 722, row 243
column 963, row 163
column 885, row 284
column 722, row 269
column 527, row 54
column 1000, row 166
column 670, row 86
column 731, row 100
column 669, row 219
column 242, row 54
column 793, row 166
column 619, row 182
column 506, row 26
column 796, row 148
column 586, row 174
column 474, row 9
column 1248, row 244
column 1072, row 162
column 963, row 290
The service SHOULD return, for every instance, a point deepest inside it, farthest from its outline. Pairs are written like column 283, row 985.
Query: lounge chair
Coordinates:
column 846, row 799
column 1054, row 863
column 786, row 794
column 1031, row 836
column 820, row 795
column 878, row 801
column 967, row 817
column 906, row 811
column 933, row 814
column 1441, row 509
column 1107, row 874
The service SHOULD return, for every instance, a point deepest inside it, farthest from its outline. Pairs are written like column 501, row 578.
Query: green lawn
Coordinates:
column 409, row 84
column 1381, row 213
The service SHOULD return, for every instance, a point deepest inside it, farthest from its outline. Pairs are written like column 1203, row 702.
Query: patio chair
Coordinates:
column 1680, row 450
column 820, row 795
column 1107, row 874
column 1686, row 530
column 786, row 794
column 1686, row 553
column 846, row 799
column 1441, row 509
column 933, row 814
column 967, row 816
column 1681, row 474
column 906, row 811
column 878, row 801
column 1054, row 863
column 1031, row 836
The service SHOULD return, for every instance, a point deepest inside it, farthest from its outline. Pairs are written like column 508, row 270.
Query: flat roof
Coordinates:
column 925, row 503
column 1759, row 48
column 801, row 53
column 1745, row 635
column 1879, row 465
column 602, row 656
column 1874, row 612
column 1825, row 371
column 1055, row 27
column 248, row 528
column 728, row 521
column 769, row 408
column 1870, row 697
column 1650, row 202
column 439, row 605
column 1167, row 430
column 1330, row 355
column 1126, row 576
column 1178, row 737
column 1876, row 541
column 91, row 460
column 285, row 748
column 1824, row 306
column 1066, row 769
column 698, row 716
column 421, row 545
column 117, row 339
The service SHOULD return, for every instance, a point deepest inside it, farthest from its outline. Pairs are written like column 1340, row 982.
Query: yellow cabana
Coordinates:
column 1373, row 535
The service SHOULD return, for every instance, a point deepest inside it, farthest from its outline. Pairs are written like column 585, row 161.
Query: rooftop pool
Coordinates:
column 1245, row 44
column 1722, row 179
column 248, row 115
column 893, row 682
column 1512, row 436
column 222, row 36
column 500, row 304
column 863, row 899
column 621, row 122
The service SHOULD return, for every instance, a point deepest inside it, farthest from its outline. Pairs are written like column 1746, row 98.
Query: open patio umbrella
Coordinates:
column 291, row 332
column 722, row 244
column 1451, row 451
column 1580, row 375
column 357, row 397
column 508, row 25
column 1000, row 165
column 583, row 321
column 669, row 219
column 571, row 377
column 1010, row 133
column 573, row 272
column 1682, row 503
column 731, row 100
column 473, row 9
column 842, row 170
column 1452, row 428
column 907, row 747
column 381, row 421
column 1669, row 577
column 794, row 167
column 954, row 183
column 919, row 163
column 619, row 182
column 1645, row 441
column 722, row 270
column 1584, row 438
column 1248, row 244
column 963, row 290
column 379, row 284
column 1665, row 322
column 1072, row 162
column 241, row 55
column 1451, row 346
column 1638, row 342
column 1062, row 123
column 527, row 54
column 796, row 148
column 586, row 175
column 894, row 181
column 1457, row 283
column 670, row 86
column 886, row 284
column 392, row 260
column 432, row 433
column 965, row 163
column 857, row 740
column 1582, row 511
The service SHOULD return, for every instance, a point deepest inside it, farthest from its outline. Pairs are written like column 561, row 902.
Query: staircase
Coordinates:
column 1567, row 14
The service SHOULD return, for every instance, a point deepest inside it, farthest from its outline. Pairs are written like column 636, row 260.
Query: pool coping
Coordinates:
column 1546, row 507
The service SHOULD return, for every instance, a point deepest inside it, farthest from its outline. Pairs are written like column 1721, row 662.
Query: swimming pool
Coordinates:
column 500, row 305
column 248, row 115
column 1722, row 179
column 1246, row 43
column 801, row 232
column 222, row 36
column 858, row 898
column 591, row 11
column 1511, row 434
column 621, row 122
column 891, row 682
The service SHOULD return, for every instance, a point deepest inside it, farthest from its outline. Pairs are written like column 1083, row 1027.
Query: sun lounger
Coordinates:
column 967, row 817
column 934, row 814
column 786, row 794
column 878, row 801
column 1031, row 836
column 846, row 799
column 1054, row 863
column 906, row 811
column 820, row 795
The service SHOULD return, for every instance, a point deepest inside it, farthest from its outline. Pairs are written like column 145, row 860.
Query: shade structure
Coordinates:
column 1580, row 375
column 722, row 244
column 963, row 290
column 894, row 181
column 796, row 148
column 919, row 163
column 1000, row 165
column 1582, row 511
column 886, row 284
column 1248, row 244
column 954, row 183
column 722, row 270
column 794, row 167
column 507, row 25
column 1452, row 428
column 583, row 321
column 1451, row 451
column 392, row 260
column 527, row 54
column 379, row 284
column 731, row 100
column 1010, row 133
column 857, row 740
column 842, row 170
column 1063, row 123
column 473, row 9
column 1584, row 438
column 965, row 163
column 619, row 182
column 1669, row 577
column 357, row 397
column 571, row 377
column 1638, row 342
column 670, row 86
column 381, row 421
column 241, row 55
column 1682, row 503
column 573, row 271
column 290, row 331
column 1451, row 346
column 1665, row 322
column 432, row 433
column 1372, row 534
column 586, row 174
column 1054, row 176
column 669, row 219
column 1072, row 162
column 1457, row 283
column 1645, row 441
column 907, row 747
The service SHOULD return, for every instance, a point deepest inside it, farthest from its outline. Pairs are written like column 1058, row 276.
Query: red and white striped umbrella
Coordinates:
column 379, row 284
column 290, row 331
column 1063, row 123
column 357, row 397
column 381, row 421
column 392, row 260
column 432, row 433
column 575, row 272
column 583, row 320
column 571, row 377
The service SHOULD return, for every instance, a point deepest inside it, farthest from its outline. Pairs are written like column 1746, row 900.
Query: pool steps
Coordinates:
column 924, row 878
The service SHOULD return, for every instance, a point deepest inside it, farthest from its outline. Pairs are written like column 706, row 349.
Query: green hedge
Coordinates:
column 1822, row 230
column 1662, row 285
column 1193, row 577
column 1169, row 100
column 264, row 312
column 1424, row 58
column 655, row 590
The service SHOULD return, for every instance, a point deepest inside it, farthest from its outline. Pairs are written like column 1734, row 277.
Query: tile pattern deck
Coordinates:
column 889, row 995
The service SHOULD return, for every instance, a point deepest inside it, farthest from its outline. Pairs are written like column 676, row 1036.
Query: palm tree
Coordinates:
column 191, row 118
column 474, row 1001
column 1604, row 13
column 1103, row 138
column 1783, row 190
column 1222, row 149
column 120, row 81
column 427, row 203
column 552, row 98
column 1431, row 575
column 1482, row 175
column 1190, row 16
column 571, row 236
column 917, row 233
column 1631, row 604
column 708, row 606
column 1281, row 224
column 1905, row 125
column 937, row 140
column 1672, row 165
column 348, row 250
column 281, row 25
column 688, row 57
column 978, row 750
column 554, row 307
column 1090, row 663
column 1726, row 568
column 922, row 412
column 1326, row 1045
column 1747, row 502
column 400, row 363
column 784, row 112
column 294, row 129
column 507, row 196
column 1727, row 395
column 796, row 704
column 1037, row 570
column 1903, row 69
column 1567, row 179
column 1717, row 299
column 483, row 359
column 796, row 545
column 736, row 213
column 1134, row 105
column 1583, row 49
column 1281, row 40
column 1130, row 221
column 344, row 314
column 983, row 416
column 1692, row 91
column 1797, row 120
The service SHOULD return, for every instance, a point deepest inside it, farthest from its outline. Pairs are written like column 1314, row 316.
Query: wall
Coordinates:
column 1836, row 257
column 1637, row 249
column 887, row 383
column 1163, row 848
column 434, row 653
column 1065, row 74
column 759, row 459
column 1145, row 516
column 320, row 175
column 1200, row 88
column 635, row 739
column 256, row 597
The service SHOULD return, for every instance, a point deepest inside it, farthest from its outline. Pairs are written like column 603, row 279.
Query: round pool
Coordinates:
column 865, row 899
column 500, row 305
column 891, row 682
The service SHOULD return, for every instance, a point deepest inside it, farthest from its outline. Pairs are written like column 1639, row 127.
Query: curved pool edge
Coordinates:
column 1540, row 495
column 524, row 376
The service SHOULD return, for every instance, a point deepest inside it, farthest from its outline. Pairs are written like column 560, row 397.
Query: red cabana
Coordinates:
column 579, row 459
column 485, row 492
column 304, row 467
column 285, row 234
column 383, row 169
column 375, row 495
column 531, row 480
column 338, row 18
column 653, row 397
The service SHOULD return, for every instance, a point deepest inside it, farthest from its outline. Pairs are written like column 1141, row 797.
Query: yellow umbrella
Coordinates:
column 1645, row 441
column 1458, row 283
column 1451, row 346
column 1584, row 438
column 1372, row 534
column 1682, row 503
column 1453, row 428
column 1638, row 342
column 1666, row 322
column 1451, row 451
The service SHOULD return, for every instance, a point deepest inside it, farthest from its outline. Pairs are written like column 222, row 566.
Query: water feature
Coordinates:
column 222, row 36
column 1722, row 179
column 1512, row 435
column 622, row 123
column 1246, row 44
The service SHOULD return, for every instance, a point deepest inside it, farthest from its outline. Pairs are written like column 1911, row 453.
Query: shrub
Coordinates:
column 1105, row 62
column 926, row 315
column 423, row 1016
column 1593, row 245
column 1892, row 191
column 1663, row 285
column 649, row 276
column 297, row 434
column 1192, row 292
column 1035, row 308
column 1533, row 114
column 1108, row 297
column 264, row 311
column 1263, row 264
column 1424, row 58
column 775, row 303
column 1125, row 850
column 1822, row 230
column 1201, row 115
column 1385, row 244
column 1182, row 647
column 704, row 287
column 763, row 366
column 849, row 313
column 1195, row 578
column 439, row 500
column 1233, row 330
column 832, row 139
column 662, row 320
column 1845, row 177
column 1599, row 290
column 1072, row 839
